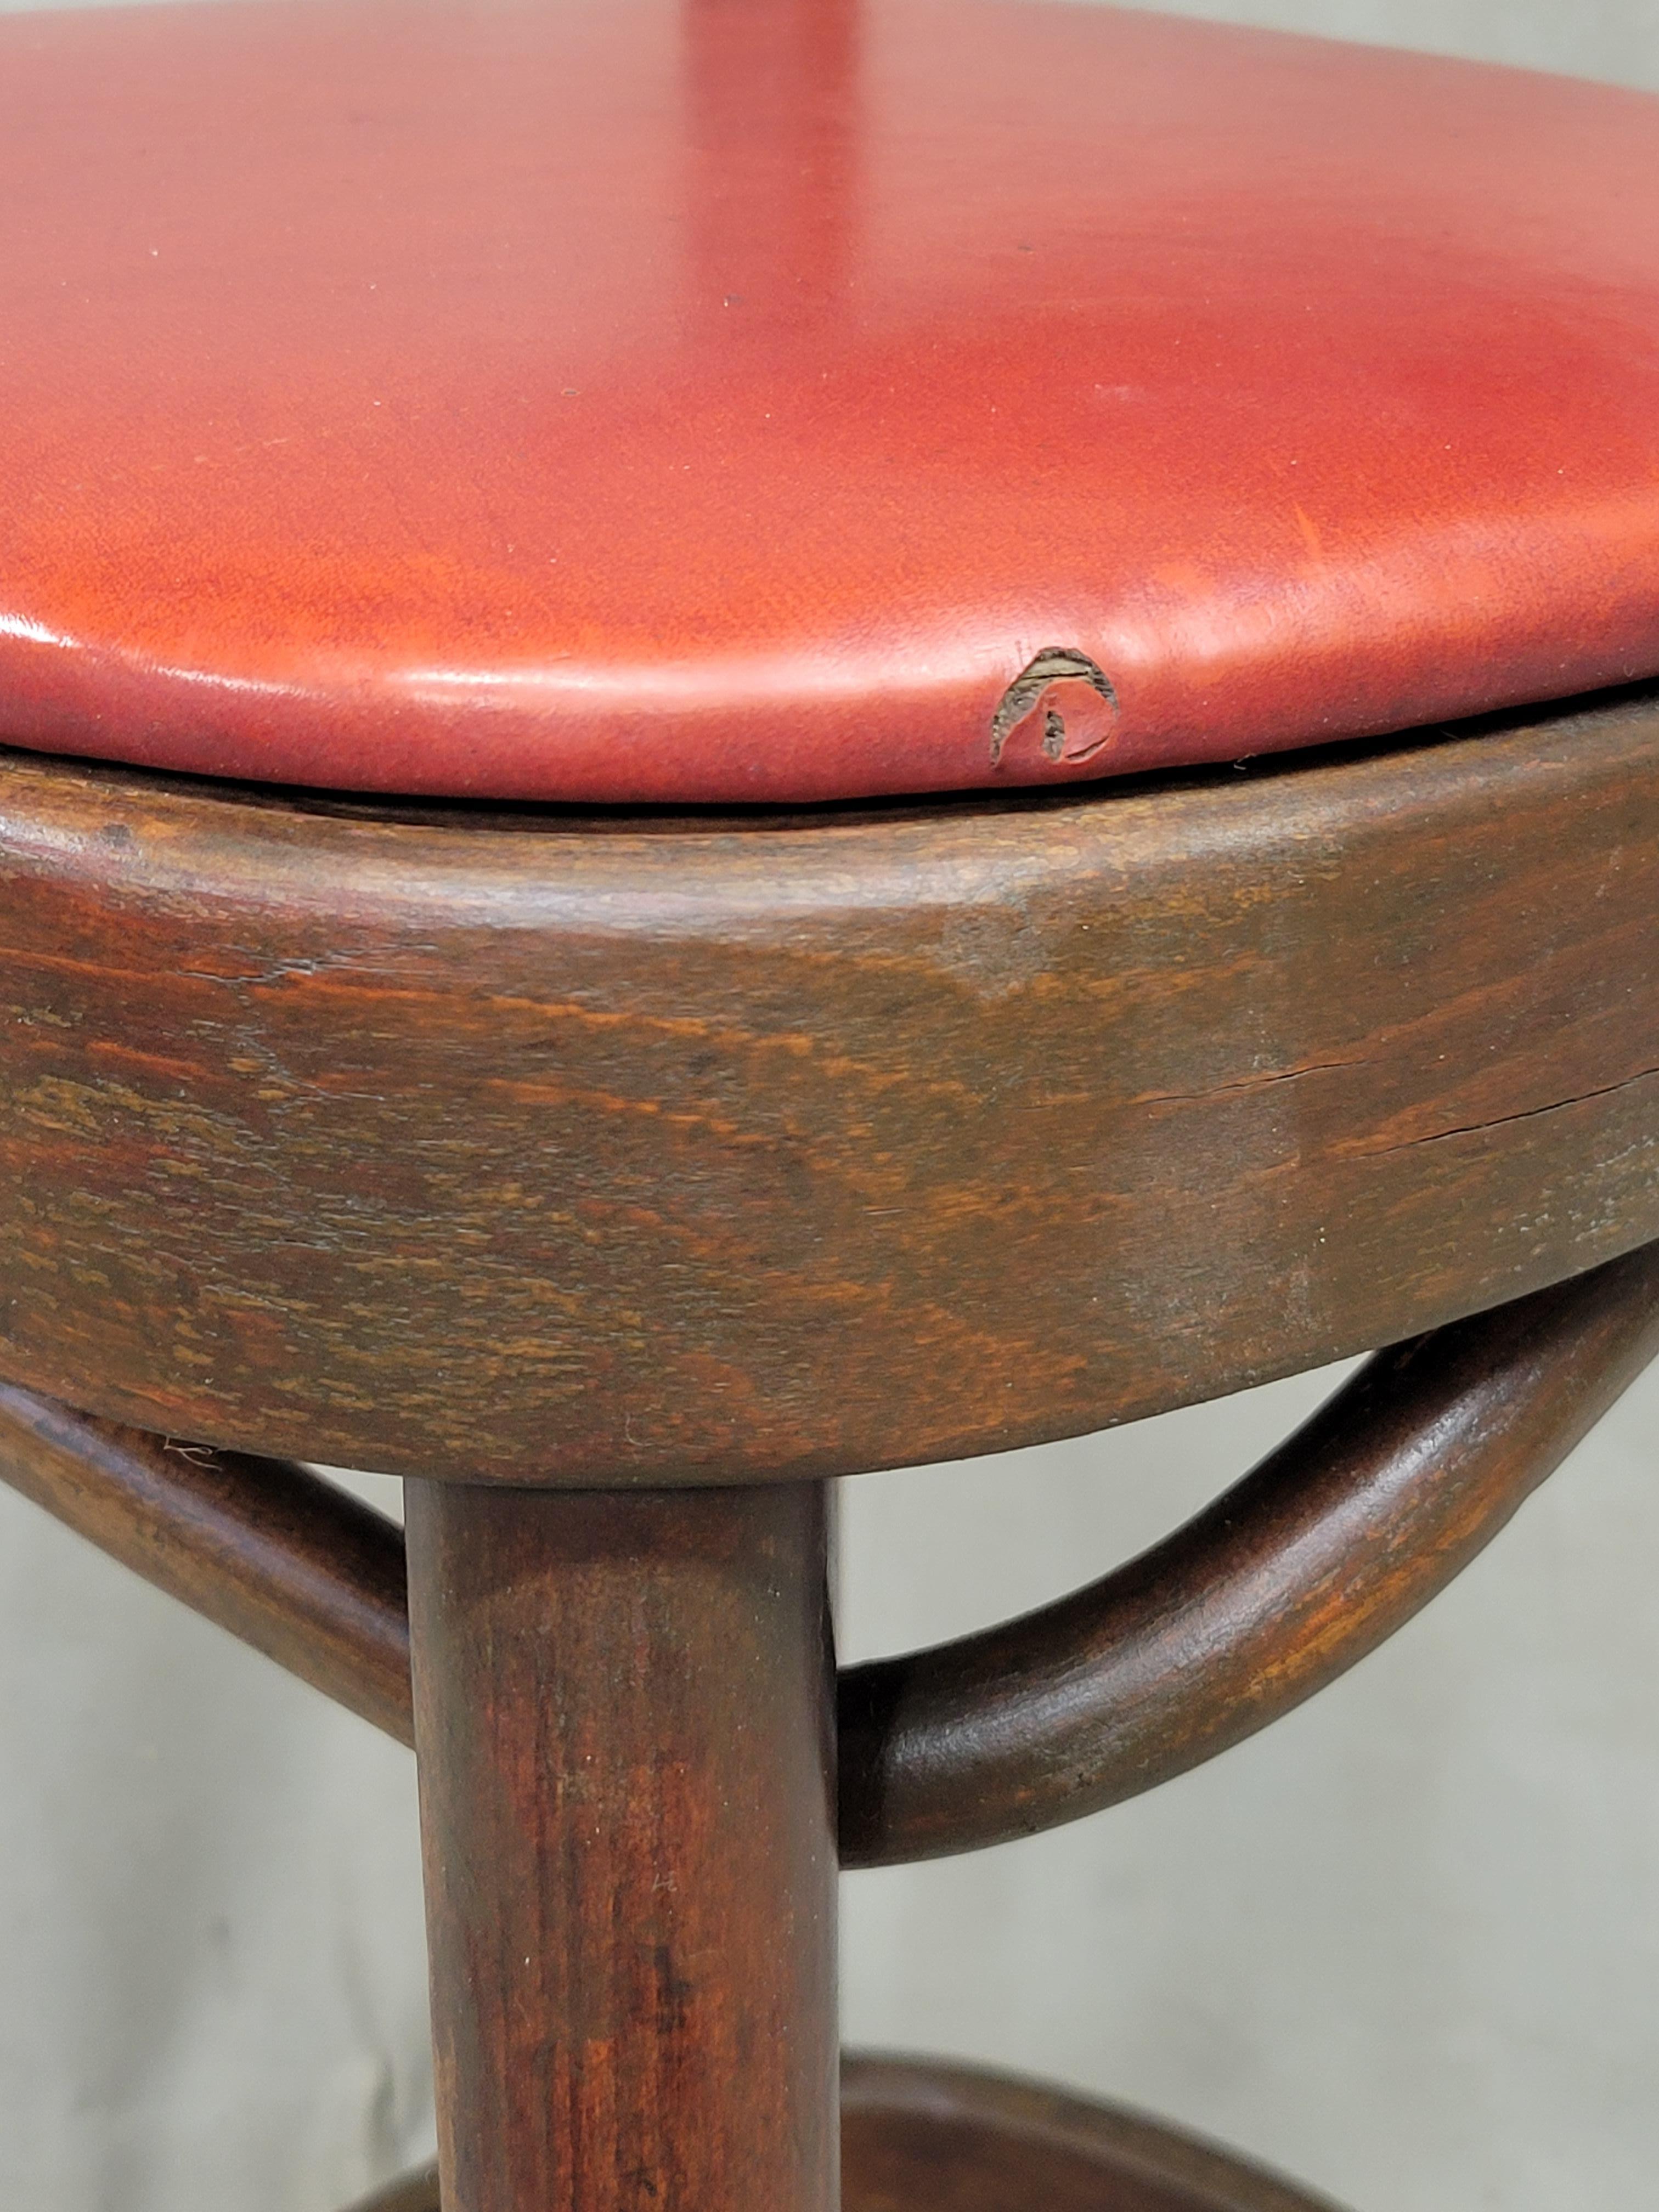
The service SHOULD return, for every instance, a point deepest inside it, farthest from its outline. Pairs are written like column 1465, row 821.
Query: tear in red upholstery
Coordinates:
column 781, row 399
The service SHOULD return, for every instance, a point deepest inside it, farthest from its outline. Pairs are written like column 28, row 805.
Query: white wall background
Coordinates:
column 1406, row 1945
column 1615, row 39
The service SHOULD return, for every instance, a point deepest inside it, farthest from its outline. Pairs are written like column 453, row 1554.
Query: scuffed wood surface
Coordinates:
column 617, row 1149
column 1278, row 1587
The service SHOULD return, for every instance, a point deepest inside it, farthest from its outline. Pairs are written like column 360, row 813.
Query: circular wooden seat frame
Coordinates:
column 619, row 1179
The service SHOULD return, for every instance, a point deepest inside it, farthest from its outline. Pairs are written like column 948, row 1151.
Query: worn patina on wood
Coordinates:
column 1278, row 1587
column 636, row 1150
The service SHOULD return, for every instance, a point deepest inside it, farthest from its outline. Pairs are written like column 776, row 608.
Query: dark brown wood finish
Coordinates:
column 1338, row 1538
column 923, row 2137
column 1286, row 1581
column 288, row 1562
column 624, row 1723
column 614, row 1154
column 621, row 1151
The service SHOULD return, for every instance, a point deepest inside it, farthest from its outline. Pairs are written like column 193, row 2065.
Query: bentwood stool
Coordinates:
column 760, row 739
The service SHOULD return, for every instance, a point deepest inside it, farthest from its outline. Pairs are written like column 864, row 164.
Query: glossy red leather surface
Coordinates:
column 615, row 399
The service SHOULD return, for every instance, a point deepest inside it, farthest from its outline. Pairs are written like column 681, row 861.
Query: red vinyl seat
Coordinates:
column 615, row 400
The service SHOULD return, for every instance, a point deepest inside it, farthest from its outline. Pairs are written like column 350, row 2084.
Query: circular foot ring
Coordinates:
column 932, row 2137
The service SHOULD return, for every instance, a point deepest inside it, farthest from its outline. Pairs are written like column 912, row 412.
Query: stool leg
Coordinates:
column 623, row 1709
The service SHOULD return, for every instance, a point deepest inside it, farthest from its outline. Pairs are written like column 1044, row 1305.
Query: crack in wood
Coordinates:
column 1526, row 1113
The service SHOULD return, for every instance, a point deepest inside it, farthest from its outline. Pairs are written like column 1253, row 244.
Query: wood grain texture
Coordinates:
column 286, row 1561
column 917, row 2136
column 624, row 1726
column 1284, row 1583
column 625, row 1150
column 1279, row 1586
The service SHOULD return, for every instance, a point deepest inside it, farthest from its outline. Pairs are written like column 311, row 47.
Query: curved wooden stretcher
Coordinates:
column 562, row 1628
column 749, row 740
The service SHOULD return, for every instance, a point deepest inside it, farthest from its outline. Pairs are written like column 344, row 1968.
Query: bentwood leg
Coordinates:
column 623, row 1719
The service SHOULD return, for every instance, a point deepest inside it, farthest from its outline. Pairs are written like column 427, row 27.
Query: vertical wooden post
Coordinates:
column 624, row 1723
